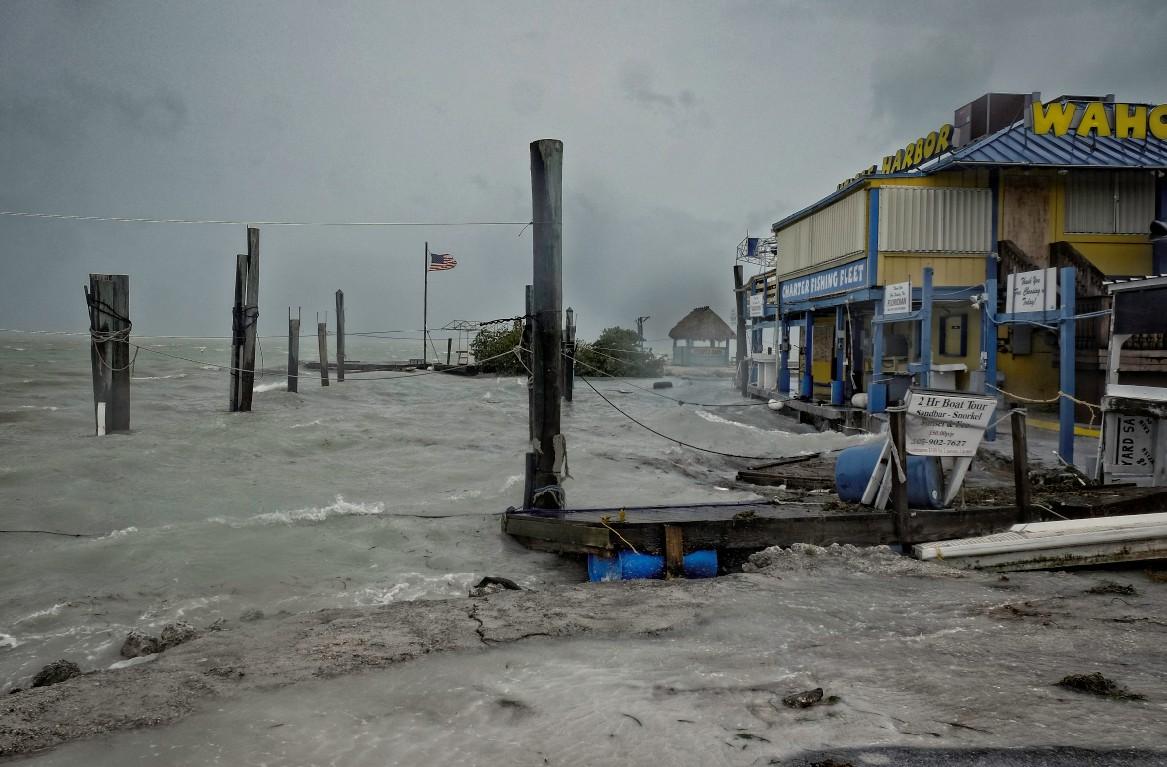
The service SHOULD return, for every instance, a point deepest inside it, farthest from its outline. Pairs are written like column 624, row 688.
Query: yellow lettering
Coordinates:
column 898, row 163
column 1094, row 120
column 919, row 151
column 1056, row 118
column 1158, row 122
column 909, row 156
column 942, row 138
column 887, row 161
column 930, row 145
column 1128, row 125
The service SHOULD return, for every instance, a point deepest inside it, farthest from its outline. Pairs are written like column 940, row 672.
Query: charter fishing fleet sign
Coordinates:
column 947, row 423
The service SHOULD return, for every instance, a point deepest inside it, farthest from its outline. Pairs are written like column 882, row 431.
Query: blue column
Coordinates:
column 877, row 391
column 838, row 383
column 808, row 356
column 783, row 356
column 989, row 342
column 1066, row 364
column 926, row 329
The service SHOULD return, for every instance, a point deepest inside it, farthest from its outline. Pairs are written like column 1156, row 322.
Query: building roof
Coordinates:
column 702, row 324
column 1018, row 145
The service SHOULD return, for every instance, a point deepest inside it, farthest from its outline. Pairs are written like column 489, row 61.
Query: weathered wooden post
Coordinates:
column 569, row 355
column 674, row 551
column 339, row 336
column 108, row 299
column 322, row 343
column 243, row 320
column 547, row 251
column 293, row 350
column 899, row 488
column 739, row 294
column 449, row 350
column 1025, row 508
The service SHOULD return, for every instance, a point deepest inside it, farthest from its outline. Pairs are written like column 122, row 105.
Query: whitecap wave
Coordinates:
column 278, row 385
column 714, row 418
column 118, row 534
column 339, row 508
column 413, row 586
column 158, row 378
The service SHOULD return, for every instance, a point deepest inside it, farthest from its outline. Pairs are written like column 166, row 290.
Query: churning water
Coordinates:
column 358, row 494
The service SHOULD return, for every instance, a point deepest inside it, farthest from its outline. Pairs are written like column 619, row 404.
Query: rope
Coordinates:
column 646, row 427
column 102, row 337
column 215, row 221
column 1094, row 409
column 53, row 532
column 604, row 522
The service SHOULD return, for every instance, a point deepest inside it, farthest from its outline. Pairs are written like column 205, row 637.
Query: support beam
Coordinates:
column 293, row 350
column 674, row 551
column 243, row 321
column 1066, row 362
column 739, row 295
column 108, row 300
column 449, row 350
column 547, row 201
column 807, row 390
column 783, row 377
column 925, row 374
column 899, row 489
column 569, row 355
column 339, row 336
column 878, row 388
column 989, row 342
column 839, row 379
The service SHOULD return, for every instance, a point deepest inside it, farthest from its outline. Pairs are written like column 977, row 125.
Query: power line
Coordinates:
column 225, row 222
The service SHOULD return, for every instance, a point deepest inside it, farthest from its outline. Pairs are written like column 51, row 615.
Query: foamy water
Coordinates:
column 356, row 494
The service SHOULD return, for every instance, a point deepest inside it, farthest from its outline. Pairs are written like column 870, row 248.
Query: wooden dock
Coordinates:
column 740, row 528
column 410, row 366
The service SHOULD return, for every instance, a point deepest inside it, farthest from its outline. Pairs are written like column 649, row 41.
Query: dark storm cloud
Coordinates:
column 682, row 130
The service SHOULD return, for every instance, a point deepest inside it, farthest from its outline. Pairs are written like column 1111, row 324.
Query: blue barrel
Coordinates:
column 626, row 566
column 854, row 466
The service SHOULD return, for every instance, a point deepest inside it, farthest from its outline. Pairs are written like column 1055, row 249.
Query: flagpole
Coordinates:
column 425, row 304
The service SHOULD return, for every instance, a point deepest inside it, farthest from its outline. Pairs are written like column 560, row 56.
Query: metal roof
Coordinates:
column 1018, row 145
column 1136, row 283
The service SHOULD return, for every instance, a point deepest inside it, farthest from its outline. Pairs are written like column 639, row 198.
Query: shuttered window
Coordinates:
column 1110, row 202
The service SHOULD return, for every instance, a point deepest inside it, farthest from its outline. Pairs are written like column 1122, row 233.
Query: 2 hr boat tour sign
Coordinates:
column 947, row 423
column 838, row 280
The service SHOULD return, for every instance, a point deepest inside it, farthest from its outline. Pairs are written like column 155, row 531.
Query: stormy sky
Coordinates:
column 685, row 125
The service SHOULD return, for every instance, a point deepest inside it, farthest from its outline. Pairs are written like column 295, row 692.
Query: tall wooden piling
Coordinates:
column 108, row 300
column 243, row 321
column 739, row 293
column 293, row 350
column 1025, row 508
column 569, row 355
column 449, row 350
column 547, row 251
column 339, row 336
column 322, row 343
column 899, row 488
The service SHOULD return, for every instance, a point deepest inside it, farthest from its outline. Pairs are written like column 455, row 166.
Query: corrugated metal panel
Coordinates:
column 1110, row 203
column 938, row 220
column 831, row 233
column 1136, row 203
column 1018, row 145
column 1090, row 203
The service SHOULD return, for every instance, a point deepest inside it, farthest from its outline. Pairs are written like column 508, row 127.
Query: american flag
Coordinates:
column 440, row 262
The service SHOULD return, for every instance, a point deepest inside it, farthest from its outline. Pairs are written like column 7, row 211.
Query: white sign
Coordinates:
column 897, row 298
column 1133, row 446
column 1032, row 291
column 946, row 423
column 758, row 305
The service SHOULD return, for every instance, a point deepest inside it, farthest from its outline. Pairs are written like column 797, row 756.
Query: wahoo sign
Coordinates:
column 838, row 280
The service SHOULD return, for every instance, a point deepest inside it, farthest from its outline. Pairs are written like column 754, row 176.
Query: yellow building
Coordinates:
column 1014, row 185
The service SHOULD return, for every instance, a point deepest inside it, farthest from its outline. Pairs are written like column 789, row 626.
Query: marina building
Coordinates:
column 901, row 275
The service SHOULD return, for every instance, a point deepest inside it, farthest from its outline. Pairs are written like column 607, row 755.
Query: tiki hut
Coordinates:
column 711, row 334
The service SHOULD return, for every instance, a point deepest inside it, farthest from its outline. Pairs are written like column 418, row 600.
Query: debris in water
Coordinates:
column 174, row 634
column 804, row 699
column 492, row 584
column 1111, row 587
column 662, row 384
column 57, row 671
column 1097, row 684
column 251, row 614
column 140, row 643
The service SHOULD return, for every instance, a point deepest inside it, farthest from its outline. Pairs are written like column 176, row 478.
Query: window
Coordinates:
column 1105, row 202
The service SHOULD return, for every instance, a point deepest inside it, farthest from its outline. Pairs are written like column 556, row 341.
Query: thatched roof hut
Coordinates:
column 701, row 324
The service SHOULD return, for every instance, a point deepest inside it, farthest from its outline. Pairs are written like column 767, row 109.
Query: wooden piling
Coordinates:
column 322, row 342
column 899, row 489
column 739, row 292
column 569, row 355
column 293, row 350
column 449, row 350
column 528, row 479
column 243, row 321
column 339, row 336
column 1025, row 508
column 108, row 300
column 526, row 342
column 674, row 551
column 547, row 251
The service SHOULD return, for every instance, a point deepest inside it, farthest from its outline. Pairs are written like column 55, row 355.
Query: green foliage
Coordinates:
column 617, row 353
column 491, row 343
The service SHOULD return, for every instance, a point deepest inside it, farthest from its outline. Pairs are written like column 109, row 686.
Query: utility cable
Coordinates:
column 215, row 221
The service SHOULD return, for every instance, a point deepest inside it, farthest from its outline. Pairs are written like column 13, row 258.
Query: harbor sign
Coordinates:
column 947, row 423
